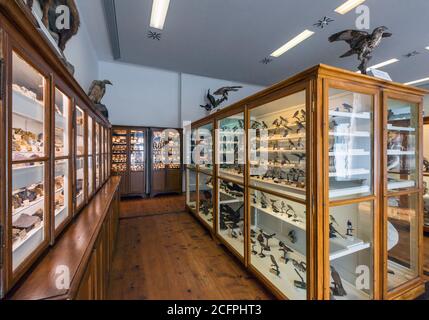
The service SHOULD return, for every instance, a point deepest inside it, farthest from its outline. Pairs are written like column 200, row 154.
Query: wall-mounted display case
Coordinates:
column 317, row 186
column 44, row 145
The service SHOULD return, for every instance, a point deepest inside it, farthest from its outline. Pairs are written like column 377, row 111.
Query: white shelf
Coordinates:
column 395, row 128
column 283, row 150
column 400, row 184
column 335, row 193
column 33, row 232
column 350, row 134
column 340, row 247
column 350, row 172
column 34, row 206
column 400, row 153
column 352, row 152
column 361, row 115
column 27, row 107
column 284, row 217
column 27, row 176
column 232, row 176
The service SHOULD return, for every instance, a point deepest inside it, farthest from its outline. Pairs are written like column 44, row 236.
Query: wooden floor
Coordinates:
column 163, row 253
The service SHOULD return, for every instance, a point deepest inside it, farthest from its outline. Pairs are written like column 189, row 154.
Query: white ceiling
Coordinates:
column 227, row 38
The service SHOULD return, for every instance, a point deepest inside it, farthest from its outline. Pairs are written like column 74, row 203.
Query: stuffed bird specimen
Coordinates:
column 97, row 90
column 213, row 103
column 361, row 43
column 50, row 17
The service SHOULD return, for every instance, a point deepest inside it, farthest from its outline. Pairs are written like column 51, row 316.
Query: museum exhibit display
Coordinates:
column 47, row 175
column 318, row 186
column 426, row 174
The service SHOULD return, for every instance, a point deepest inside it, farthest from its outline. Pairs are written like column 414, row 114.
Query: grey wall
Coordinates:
column 145, row 96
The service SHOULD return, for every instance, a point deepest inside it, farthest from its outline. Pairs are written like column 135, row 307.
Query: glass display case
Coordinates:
column 137, row 174
column 97, row 156
column 91, row 177
column 80, row 174
column 205, row 147
column 319, row 187
column 63, row 182
column 191, row 190
column 29, row 166
column 426, row 174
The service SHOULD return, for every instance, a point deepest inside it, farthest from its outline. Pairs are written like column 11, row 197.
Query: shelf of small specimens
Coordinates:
column 402, row 124
column 62, row 191
column 277, row 144
column 205, row 142
column 119, row 151
column 80, row 131
column 351, row 142
column 80, row 186
column 62, row 111
column 137, row 157
column 166, row 150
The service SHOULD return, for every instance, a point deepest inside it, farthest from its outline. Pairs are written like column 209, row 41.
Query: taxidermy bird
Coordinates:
column 213, row 103
column 97, row 90
column 338, row 289
column 50, row 17
column 361, row 43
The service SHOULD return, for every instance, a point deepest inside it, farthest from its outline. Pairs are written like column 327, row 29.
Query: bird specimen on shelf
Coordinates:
column 303, row 114
column 300, row 126
column 338, row 289
column 300, row 284
column 253, row 242
column 426, row 165
column 284, row 120
column 361, row 43
column 290, row 211
column 285, row 133
column 292, row 145
column 286, row 250
column 349, row 229
column 274, row 266
column 347, row 107
column 296, row 115
column 299, row 156
column 332, row 219
column 292, row 236
column 334, row 232
column 285, row 160
column 267, row 238
column 300, row 144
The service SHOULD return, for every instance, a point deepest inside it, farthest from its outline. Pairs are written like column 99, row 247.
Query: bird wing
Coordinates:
column 211, row 99
column 350, row 36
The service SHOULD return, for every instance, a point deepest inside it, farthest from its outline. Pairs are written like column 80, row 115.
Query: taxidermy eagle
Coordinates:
column 97, row 90
column 213, row 103
column 50, row 16
column 361, row 43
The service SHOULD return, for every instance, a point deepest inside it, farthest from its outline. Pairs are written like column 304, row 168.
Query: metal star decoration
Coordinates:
column 322, row 23
column 266, row 61
column 411, row 54
column 154, row 35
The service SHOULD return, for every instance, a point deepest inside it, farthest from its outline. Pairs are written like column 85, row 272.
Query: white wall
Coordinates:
column 145, row 96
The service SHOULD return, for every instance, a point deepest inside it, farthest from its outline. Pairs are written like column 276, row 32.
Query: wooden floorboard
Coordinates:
column 136, row 207
column 169, row 255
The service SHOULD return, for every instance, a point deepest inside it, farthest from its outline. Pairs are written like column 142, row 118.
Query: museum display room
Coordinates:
column 314, row 185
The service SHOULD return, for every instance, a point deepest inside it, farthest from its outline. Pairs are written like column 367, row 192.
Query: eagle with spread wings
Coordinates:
column 361, row 43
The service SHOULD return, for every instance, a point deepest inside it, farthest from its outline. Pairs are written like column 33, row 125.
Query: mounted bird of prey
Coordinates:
column 97, row 90
column 213, row 103
column 361, row 43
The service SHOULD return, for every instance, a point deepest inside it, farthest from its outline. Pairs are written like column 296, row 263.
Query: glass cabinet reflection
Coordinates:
column 205, row 144
column 206, row 198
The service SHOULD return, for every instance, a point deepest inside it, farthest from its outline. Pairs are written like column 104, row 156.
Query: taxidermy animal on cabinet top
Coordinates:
column 213, row 103
column 361, row 43
column 98, row 90
column 50, row 17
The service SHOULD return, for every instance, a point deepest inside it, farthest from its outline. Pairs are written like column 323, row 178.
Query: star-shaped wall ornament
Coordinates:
column 411, row 54
column 154, row 35
column 322, row 23
column 266, row 61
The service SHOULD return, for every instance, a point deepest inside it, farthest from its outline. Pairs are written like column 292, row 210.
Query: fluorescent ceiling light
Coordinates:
column 292, row 43
column 348, row 5
column 159, row 13
column 427, row 48
column 416, row 81
column 383, row 64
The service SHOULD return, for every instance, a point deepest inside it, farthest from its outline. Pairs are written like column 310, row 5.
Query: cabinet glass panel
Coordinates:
column 62, row 192
column 166, row 149
column 119, row 151
column 97, row 171
column 278, row 242
column 231, row 214
column 97, row 138
column 190, row 140
column 80, row 181
column 402, row 141
column 28, row 111
column 231, row 147
column 351, row 244
column 191, row 189
column 90, row 136
column 402, row 239
column 62, row 107
column 80, row 132
column 205, row 143
column 277, row 145
column 426, row 201
column 28, row 210
column 351, row 143
column 206, row 197
column 90, row 175
column 137, row 146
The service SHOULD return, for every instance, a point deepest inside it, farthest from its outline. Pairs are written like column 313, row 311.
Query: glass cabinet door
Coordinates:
column 137, row 150
column 206, row 196
column 28, row 209
column 191, row 189
column 231, row 147
column 62, row 188
column 171, row 152
column 277, row 179
column 205, row 145
column 277, row 146
column 351, row 177
column 119, row 151
column 97, row 155
column 80, row 158
column 90, row 156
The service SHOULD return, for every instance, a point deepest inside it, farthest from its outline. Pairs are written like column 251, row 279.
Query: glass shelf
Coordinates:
column 351, row 139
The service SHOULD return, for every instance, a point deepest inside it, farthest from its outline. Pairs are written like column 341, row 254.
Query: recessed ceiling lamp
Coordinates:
column 417, row 81
column 348, row 5
column 159, row 13
column 383, row 64
column 292, row 43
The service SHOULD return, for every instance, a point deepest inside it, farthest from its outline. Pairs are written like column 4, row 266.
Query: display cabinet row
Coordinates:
column 55, row 146
column 315, row 184
column 148, row 159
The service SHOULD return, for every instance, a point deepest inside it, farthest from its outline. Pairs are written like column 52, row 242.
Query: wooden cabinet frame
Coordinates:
column 316, row 82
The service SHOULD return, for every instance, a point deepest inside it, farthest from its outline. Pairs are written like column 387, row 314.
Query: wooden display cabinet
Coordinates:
column 318, row 185
column 426, row 174
column 44, row 132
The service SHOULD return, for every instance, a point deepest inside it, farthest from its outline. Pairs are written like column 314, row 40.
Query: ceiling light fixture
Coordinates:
column 159, row 13
column 292, row 43
column 383, row 64
column 348, row 5
column 417, row 81
column 427, row 48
